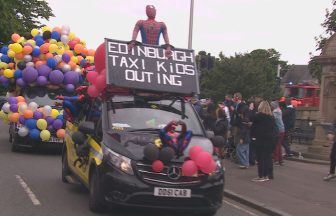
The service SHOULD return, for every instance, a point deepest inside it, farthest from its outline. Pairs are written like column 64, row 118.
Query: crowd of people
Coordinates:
column 256, row 129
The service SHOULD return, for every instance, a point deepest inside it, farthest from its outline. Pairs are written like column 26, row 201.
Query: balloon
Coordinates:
column 33, row 106
column 30, row 123
column 16, row 47
column 60, row 117
column 4, row 81
column 4, row 50
column 51, row 63
column 27, row 58
column 22, row 108
column 20, row 99
column 189, row 168
column 210, row 168
column 66, row 58
column 42, row 81
column 30, row 64
column 5, row 58
column 23, row 131
column 91, row 76
column 58, row 124
column 47, row 110
column 151, row 152
column 91, row 52
column 53, row 48
column 18, row 74
column 8, row 73
column 65, row 29
column 42, row 124
column 194, row 151
column 34, row 134
column 66, row 68
column 28, row 114
column 36, row 52
column 34, row 32
column 43, row 70
column 70, row 88
column 206, row 145
column 55, row 35
column 50, row 120
column 13, row 107
column 30, row 74
column 166, row 154
column 20, row 82
column 58, row 58
column 12, row 100
column 100, row 82
column 39, row 42
column 6, row 107
column 157, row 166
column 78, row 48
column 45, row 135
column 27, row 50
column 44, row 48
column 21, row 65
column 100, row 58
column 15, row 37
column 71, row 35
column 3, row 65
column 46, row 35
column 93, row 92
column 22, row 120
column 72, row 44
column 65, row 39
column 203, row 159
column 38, row 115
column 10, row 53
column 56, row 77
column 54, row 113
column 60, row 133
column 13, row 117
column 71, row 77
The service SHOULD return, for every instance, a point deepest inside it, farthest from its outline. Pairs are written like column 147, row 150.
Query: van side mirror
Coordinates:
column 209, row 134
column 87, row 127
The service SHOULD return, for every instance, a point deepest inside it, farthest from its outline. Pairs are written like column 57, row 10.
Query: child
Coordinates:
column 331, row 137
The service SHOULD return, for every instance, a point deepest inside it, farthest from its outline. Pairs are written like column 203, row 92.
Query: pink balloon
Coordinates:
column 92, row 91
column 210, row 168
column 194, row 151
column 157, row 166
column 91, row 76
column 100, row 82
column 99, row 58
column 203, row 159
column 189, row 168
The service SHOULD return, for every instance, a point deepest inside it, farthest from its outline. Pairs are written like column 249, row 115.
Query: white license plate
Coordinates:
column 172, row 192
column 55, row 140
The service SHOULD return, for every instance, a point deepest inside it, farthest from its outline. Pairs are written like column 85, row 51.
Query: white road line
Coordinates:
column 29, row 192
column 240, row 208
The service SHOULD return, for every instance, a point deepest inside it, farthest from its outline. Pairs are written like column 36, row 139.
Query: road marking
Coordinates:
column 28, row 191
column 240, row 208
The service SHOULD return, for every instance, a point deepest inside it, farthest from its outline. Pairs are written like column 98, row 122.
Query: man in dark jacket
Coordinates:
column 288, row 118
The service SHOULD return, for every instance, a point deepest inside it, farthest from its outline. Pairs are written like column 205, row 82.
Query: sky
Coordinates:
column 228, row 26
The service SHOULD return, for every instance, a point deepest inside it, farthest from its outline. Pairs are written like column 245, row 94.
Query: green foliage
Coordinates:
column 21, row 16
column 252, row 74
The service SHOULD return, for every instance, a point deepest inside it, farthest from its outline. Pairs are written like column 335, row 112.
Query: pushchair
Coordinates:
column 229, row 150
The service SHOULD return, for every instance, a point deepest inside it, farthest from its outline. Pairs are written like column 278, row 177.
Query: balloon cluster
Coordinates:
column 33, row 121
column 158, row 156
column 47, row 57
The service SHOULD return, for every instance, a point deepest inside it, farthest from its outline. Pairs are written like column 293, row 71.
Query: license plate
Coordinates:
column 55, row 140
column 172, row 192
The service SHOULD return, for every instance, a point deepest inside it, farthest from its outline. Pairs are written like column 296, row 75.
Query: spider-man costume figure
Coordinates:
column 151, row 30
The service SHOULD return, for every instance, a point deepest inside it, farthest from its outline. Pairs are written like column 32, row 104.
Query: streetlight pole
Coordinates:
column 191, row 23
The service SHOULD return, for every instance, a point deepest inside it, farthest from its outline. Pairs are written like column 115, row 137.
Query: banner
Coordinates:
column 145, row 67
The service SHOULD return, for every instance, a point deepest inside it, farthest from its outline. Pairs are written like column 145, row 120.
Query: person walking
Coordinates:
column 263, row 133
column 288, row 118
column 331, row 137
column 277, row 154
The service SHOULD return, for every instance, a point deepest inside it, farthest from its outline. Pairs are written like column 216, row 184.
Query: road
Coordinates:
column 30, row 185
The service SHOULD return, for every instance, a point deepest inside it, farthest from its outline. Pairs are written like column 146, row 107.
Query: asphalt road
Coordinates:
column 30, row 185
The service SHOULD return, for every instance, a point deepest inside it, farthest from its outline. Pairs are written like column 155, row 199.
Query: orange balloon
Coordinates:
column 49, row 55
column 14, row 117
column 58, row 29
column 44, row 48
column 76, row 39
column 15, row 37
column 38, row 63
column 21, row 103
column 20, row 99
column 11, row 65
column 84, row 51
column 61, row 64
column 91, row 52
column 27, row 50
column 60, row 133
column 19, row 56
column 73, row 65
column 28, row 114
column 78, row 48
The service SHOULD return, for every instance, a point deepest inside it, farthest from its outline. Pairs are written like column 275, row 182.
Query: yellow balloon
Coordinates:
column 54, row 113
column 46, row 28
column 53, row 48
column 31, row 42
column 9, row 73
column 60, row 50
column 45, row 135
column 41, row 124
column 71, row 35
column 53, row 41
column 34, row 32
column 3, row 65
column 89, row 59
column 10, row 53
column 66, row 47
column 74, row 59
column 21, row 40
column 16, row 47
column 83, row 42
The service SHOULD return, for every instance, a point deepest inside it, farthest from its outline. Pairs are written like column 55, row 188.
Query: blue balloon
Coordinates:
column 38, row 37
column 5, row 58
column 36, row 52
column 34, row 133
column 55, row 35
column 52, row 63
column 82, row 63
column 30, row 124
column 4, row 50
column 39, row 41
column 60, row 117
column 65, row 58
column 18, row 74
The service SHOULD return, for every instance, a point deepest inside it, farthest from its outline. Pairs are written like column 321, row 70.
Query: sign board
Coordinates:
column 146, row 67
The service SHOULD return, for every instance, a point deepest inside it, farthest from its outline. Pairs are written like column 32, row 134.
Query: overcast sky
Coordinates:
column 230, row 26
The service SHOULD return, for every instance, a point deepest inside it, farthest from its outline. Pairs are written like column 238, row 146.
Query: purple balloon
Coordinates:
column 30, row 74
column 71, row 77
column 70, row 88
column 44, row 70
column 14, row 107
column 65, row 58
column 20, row 82
column 38, row 115
column 56, row 77
column 42, row 81
column 50, row 128
column 3, row 80
column 12, row 100
column 21, row 119
column 57, row 124
column 50, row 120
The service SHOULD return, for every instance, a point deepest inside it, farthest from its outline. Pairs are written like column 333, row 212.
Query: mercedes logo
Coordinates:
column 174, row 172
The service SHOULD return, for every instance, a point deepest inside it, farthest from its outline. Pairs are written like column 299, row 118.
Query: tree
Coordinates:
column 21, row 16
column 252, row 74
column 329, row 24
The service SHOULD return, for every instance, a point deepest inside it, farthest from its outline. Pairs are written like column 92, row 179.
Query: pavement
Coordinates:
column 297, row 189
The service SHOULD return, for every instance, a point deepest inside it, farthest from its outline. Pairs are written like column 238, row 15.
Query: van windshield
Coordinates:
column 138, row 115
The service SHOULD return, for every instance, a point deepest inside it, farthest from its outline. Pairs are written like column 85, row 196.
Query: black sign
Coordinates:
column 146, row 67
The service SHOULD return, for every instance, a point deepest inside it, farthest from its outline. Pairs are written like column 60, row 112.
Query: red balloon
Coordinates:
column 93, row 91
column 210, row 168
column 100, row 82
column 157, row 166
column 203, row 159
column 189, row 168
column 72, row 44
column 194, row 151
column 99, row 58
column 91, row 76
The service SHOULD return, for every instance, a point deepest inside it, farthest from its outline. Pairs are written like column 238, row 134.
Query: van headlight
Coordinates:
column 117, row 160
